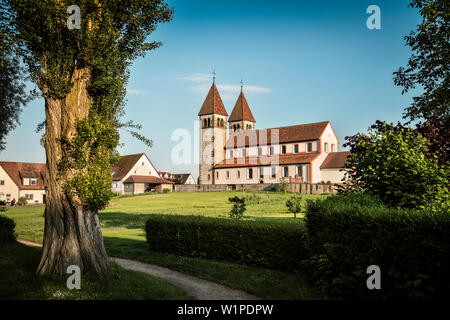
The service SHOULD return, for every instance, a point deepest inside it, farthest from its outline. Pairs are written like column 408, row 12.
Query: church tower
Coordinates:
column 213, row 132
column 241, row 117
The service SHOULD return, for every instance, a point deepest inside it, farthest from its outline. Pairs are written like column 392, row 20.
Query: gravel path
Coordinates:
column 199, row 288
column 196, row 287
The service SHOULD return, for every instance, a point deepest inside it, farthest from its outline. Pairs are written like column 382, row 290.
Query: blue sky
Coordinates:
column 301, row 61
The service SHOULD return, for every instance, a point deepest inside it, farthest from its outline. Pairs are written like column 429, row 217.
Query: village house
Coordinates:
column 135, row 174
column 20, row 179
column 304, row 153
column 178, row 178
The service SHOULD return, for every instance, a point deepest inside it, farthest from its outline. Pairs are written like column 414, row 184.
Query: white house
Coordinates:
column 20, row 179
column 135, row 174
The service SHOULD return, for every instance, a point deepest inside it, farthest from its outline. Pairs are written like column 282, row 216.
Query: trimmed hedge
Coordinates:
column 264, row 244
column 7, row 226
column 349, row 233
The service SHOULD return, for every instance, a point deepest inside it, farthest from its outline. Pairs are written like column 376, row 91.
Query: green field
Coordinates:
column 123, row 221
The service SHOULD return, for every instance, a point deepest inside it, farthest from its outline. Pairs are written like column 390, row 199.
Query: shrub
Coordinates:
column 349, row 233
column 238, row 209
column 165, row 190
column 22, row 201
column 265, row 244
column 294, row 205
column 283, row 186
column 393, row 162
column 7, row 226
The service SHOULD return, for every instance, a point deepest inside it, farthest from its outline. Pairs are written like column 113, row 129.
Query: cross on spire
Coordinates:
column 242, row 83
column 214, row 75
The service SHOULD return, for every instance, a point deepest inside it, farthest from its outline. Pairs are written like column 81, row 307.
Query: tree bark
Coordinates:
column 72, row 234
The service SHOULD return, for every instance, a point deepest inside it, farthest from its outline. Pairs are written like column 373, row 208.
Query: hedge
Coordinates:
column 7, row 226
column 349, row 233
column 264, row 244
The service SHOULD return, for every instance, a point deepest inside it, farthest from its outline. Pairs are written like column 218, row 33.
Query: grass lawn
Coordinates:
column 122, row 226
column 18, row 264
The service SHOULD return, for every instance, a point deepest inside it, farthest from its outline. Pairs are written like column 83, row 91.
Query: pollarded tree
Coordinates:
column 82, row 74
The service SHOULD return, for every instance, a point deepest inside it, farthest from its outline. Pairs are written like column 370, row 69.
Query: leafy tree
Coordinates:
column 429, row 68
column 392, row 162
column 294, row 205
column 12, row 88
column 238, row 209
column 284, row 185
column 82, row 76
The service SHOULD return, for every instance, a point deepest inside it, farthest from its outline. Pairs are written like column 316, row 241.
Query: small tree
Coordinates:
column 283, row 186
column 392, row 162
column 238, row 209
column 294, row 205
column 22, row 201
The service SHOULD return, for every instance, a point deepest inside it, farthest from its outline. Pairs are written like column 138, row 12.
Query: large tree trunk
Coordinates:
column 72, row 234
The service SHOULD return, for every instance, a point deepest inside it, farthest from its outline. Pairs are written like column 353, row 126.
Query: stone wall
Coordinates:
column 304, row 188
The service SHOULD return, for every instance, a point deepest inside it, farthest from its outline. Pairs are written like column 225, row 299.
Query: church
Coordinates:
column 304, row 153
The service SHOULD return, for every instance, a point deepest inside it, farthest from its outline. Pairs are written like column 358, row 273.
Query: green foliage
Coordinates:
column 348, row 233
column 93, row 151
column 294, row 205
column 392, row 163
column 283, row 185
column 22, row 201
column 238, row 209
column 266, row 244
column 428, row 66
column 165, row 190
column 7, row 226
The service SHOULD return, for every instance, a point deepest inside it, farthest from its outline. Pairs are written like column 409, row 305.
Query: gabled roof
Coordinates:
column 241, row 110
column 335, row 160
column 182, row 177
column 266, row 161
column 125, row 164
column 19, row 170
column 213, row 103
column 147, row 179
column 297, row 133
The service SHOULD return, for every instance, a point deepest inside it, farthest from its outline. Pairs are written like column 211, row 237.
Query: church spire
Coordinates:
column 241, row 110
column 213, row 103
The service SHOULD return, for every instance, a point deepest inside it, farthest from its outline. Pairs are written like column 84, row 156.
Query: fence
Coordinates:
column 304, row 188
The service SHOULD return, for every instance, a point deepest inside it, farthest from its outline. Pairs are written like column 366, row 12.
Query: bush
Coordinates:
column 349, row 233
column 283, row 186
column 22, row 201
column 165, row 190
column 393, row 162
column 294, row 205
column 7, row 226
column 264, row 244
column 238, row 209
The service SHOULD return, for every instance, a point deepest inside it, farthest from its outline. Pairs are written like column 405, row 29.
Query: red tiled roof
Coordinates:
column 213, row 103
column 302, row 132
column 19, row 170
column 147, row 179
column 125, row 164
column 267, row 161
column 241, row 110
column 335, row 160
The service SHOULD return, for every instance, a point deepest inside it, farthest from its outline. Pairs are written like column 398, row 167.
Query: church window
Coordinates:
column 283, row 149
column 231, row 154
column 300, row 171
column 250, row 173
column 259, row 152
column 271, row 151
column 332, row 148
column 217, row 174
column 209, row 122
column 286, row 172
column 325, row 147
column 239, row 174
column 205, row 123
column 244, row 153
column 296, row 148
column 228, row 174
column 261, row 173
column 309, row 146
column 274, row 172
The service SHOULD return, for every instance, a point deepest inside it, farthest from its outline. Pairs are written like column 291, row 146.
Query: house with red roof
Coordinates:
column 305, row 153
column 135, row 174
column 22, row 179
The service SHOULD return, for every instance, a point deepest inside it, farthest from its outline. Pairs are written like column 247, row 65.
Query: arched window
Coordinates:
column 217, row 174
column 218, row 122
column 221, row 123
column 204, row 123
column 228, row 174
column 239, row 174
column 332, row 147
column 326, row 147
column 209, row 122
